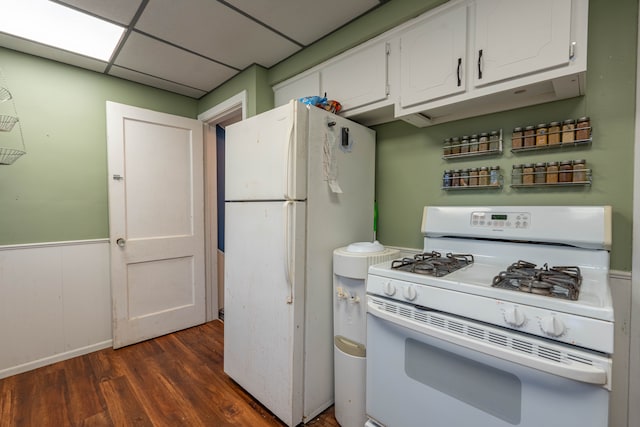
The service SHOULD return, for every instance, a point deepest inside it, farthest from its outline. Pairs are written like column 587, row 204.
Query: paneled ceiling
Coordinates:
column 191, row 47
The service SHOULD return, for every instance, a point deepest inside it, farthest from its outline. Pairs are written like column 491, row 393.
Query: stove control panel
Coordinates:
column 501, row 219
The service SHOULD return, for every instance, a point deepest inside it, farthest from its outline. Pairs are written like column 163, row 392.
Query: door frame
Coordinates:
column 227, row 112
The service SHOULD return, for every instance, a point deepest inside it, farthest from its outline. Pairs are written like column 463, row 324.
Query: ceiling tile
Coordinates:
column 215, row 31
column 145, row 79
column 322, row 17
column 152, row 57
column 121, row 11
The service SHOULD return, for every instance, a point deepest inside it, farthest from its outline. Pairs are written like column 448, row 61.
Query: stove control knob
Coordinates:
column 388, row 289
column 552, row 326
column 514, row 317
column 410, row 293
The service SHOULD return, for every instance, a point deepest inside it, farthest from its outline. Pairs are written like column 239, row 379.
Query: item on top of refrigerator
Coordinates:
column 322, row 102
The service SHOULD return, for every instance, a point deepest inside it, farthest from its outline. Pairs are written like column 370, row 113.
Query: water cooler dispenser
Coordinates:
column 350, row 265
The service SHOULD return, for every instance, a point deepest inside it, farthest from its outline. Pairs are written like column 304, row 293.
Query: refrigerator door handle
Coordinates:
column 289, row 166
column 288, row 248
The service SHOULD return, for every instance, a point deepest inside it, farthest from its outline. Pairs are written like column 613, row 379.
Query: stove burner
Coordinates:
column 559, row 281
column 433, row 264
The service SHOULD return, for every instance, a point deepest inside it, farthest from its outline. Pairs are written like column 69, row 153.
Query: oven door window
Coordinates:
column 482, row 386
column 415, row 379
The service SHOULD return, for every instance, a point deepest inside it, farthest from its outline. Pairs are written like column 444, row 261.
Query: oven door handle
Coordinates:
column 576, row 371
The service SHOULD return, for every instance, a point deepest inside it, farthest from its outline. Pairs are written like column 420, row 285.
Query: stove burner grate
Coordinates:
column 558, row 281
column 433, row 263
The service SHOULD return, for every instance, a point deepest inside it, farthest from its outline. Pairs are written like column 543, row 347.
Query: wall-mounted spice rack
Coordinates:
column 544, row 136
column 485, row 177
column 551, row 174
column 481, row 144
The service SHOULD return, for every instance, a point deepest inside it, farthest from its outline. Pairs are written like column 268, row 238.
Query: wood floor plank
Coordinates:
column 174, row 380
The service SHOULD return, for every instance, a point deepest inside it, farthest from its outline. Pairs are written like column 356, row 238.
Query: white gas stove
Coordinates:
column 522, row 285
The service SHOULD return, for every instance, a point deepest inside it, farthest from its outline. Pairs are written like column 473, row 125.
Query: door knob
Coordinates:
column 120, row 242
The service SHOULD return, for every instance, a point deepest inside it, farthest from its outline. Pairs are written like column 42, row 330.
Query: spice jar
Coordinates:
column 464, row 144
column 516, row 175
column 527, row 173
column 516, row 138
column 566, row 171
column 483, row 176
column 473, row 144
column 552, row 173
column 464, row 177
column 494, row 175
column 540, row 172
column 529, row 136
column 583, row 129
column 494, row 140
column 447, row 146
column 455, row 145
column 483, row 142
column 473, row 177
column 579, row 171
column 541, row 134
column 554, row 133
column 446, row 178
column 568, row 134
column 455, row 178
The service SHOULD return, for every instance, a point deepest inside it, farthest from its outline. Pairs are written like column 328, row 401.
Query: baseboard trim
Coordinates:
column 14, row 370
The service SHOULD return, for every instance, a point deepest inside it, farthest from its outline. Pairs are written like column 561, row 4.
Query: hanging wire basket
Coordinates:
column 7, row 122
column 5, row 95
column 9, row 155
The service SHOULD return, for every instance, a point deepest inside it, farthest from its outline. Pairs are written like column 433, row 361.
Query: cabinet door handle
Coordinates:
column 480, row 64
column 458, row 72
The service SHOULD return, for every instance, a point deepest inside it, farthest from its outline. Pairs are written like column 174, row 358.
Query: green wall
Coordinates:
column 58, row 190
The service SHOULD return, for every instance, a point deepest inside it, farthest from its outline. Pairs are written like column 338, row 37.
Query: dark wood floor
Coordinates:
column 174, row 380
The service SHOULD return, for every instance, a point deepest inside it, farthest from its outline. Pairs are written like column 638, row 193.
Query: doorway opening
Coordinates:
column 215, row 121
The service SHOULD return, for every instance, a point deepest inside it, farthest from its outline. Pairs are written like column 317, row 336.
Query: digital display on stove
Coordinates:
column 499, row 217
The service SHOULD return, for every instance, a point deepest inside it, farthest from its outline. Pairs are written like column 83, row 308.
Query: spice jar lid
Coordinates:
column 475, row 135
column 552, row 164
column 569, row 122
column 530, row 127
column 566, row 162
column 541, row 164
column 527, row 165
column 583, row 119
column 579, row 162
column 447, row 171
column 473, row 169
column 484, row 168
column 554, row 124
column 542, row 125
column 457, row 171
column 495, row 168
column 484, row 134
column 494, row 132
column 517, row 129
column 465, row 137
column 455, row 139
column 517, row 166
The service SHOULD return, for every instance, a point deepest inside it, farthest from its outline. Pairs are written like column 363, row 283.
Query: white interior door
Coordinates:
column 156, row 205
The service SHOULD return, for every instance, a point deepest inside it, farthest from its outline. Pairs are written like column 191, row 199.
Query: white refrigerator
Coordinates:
column 299, row 182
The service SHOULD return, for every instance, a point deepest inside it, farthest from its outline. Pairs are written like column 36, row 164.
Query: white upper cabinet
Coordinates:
column 433, row 57
column 519, row 37
column 357, row 79
column 298, row 87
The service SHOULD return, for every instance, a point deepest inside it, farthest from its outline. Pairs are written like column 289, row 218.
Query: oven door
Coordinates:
column 423, row 368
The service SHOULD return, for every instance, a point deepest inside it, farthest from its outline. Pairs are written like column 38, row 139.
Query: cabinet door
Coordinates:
column 432, row 58
column 305, row 86
column 357, row 79
column 517, row 37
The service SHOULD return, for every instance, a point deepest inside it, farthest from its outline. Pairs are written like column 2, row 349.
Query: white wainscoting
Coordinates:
column 620, row 283
column 55, row 303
